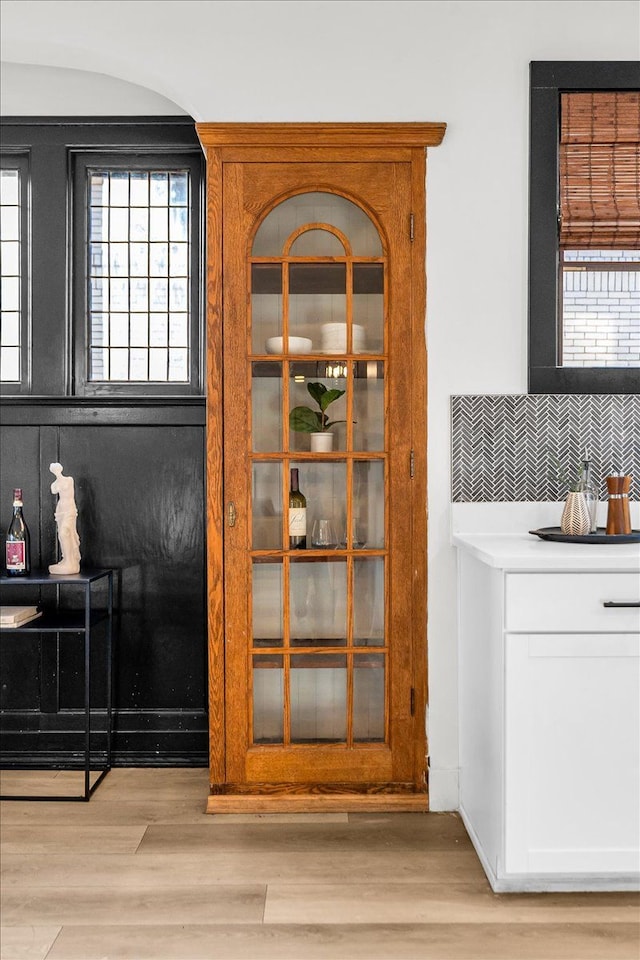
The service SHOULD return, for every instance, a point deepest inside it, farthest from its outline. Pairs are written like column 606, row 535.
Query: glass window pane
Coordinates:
column 368, row 602
column 138, row 224
column 118, row 329
column 10, row 329
column 317, row 302
column 158, row 224
column 267, row 604
column 158, row 365
column 10, row 294
column 159, row 195
column 139, row 330
column 10, row 364
column 10, row 258
column 179, row 224
column 139, row 260
column 139, row 294
column 178, row 294
column 305, row 413
column 317, row 207
column 118, row 258
column 368, row 405
column 318, row 602
column 266, row 405
column 178, row 365
column 158, row 329
column 324, row 485
column 368, row 505
column 119, row 196
column 139, row 364
column 9, row 223
column 600, row 309
column 267, row 506
column 98, row 224
column 368, row 698
column 179, row 260
column 178, row 329
column 119, row 364
column 318, row 693
column 178, row 189
column 268, row 699
column 158, row 259
column 139, row 188
column 9, row 187
column 266, row 307
column 118, row 224
column 368, row 307
column 317, row 243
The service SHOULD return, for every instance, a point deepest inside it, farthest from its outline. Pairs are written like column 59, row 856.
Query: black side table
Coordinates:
column 58, row 619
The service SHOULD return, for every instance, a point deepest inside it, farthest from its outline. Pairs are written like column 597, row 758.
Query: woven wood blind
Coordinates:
column 600, row 170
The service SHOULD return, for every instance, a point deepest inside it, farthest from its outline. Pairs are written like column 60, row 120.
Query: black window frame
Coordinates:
column 548, row 80
column 18, row 159
column 82, row 162
column 53, row 144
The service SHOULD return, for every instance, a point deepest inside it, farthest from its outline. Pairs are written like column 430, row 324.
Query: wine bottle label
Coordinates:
column 297, row 522
column 15, row 555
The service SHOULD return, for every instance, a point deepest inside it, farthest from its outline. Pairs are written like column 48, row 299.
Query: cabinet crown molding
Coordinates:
column 321, row 134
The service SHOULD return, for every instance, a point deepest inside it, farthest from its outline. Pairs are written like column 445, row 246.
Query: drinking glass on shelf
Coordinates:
column 356, row 541
column 322, row 535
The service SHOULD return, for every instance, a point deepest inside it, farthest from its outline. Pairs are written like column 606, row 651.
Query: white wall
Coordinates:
column 465, row 63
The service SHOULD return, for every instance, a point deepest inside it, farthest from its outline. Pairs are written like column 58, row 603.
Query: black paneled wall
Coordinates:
column 139, row 476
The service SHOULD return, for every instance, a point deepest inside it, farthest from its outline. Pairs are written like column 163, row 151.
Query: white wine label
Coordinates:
column 297, row 522
column 15, row 555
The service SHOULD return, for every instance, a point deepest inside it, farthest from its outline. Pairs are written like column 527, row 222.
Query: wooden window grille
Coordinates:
column 600, row 170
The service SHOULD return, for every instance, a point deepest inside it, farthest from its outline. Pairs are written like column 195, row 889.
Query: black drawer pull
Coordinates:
column 621, row 603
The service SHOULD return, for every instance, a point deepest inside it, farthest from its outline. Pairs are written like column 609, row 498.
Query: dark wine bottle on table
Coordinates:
column 17, row 547
column 297, row 515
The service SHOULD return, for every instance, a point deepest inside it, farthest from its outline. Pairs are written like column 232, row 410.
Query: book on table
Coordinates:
column 13, row 616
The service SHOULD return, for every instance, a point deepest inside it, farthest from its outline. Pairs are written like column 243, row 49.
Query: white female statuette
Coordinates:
column 66, row 513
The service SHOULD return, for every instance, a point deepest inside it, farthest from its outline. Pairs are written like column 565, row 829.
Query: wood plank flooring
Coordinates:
column 142, row 873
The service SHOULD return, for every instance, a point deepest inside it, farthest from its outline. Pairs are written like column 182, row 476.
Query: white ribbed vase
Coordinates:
column 575, row 521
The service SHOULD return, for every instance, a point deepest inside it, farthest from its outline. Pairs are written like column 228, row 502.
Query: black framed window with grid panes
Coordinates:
column 141, row 291
column 14, row 273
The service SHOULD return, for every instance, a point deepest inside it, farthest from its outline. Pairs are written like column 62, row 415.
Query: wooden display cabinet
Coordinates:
column 316, row 253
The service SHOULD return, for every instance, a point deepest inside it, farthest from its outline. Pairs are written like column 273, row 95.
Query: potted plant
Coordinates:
column 316, row 422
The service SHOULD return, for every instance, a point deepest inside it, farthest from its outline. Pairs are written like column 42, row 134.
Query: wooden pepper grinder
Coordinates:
column 618, row 515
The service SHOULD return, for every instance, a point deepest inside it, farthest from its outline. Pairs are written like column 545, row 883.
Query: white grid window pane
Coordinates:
column 139, row 227
column 11, row 276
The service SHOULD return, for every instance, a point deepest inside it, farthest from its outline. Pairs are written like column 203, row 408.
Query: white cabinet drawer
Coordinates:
column 572, row 601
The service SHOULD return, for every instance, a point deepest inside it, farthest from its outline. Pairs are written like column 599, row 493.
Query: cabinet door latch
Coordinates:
column 411, row 227
column 412, row 464
column 413, row 702
column 231, row 514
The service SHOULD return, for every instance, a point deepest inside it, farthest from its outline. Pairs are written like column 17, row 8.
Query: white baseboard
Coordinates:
column 443, row 789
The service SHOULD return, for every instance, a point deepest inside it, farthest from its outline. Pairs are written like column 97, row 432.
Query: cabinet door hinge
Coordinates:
column 413, row 702
column 412, row 464
column 411, row 227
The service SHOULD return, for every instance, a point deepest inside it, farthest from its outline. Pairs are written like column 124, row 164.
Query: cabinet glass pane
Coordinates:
column 368, row 698
column 266, row 407
column 267, row 604
column 317, row 243
column 368, row 602
column 368, row 305
column 368, row 504
column 317, row 207
column 317, row 300
column 266, row 306
column 303, row 374
column 318, row 602
column 368, row 405
column 267, row 506
column 324, row 485
column 268, row 699
column 318, row 690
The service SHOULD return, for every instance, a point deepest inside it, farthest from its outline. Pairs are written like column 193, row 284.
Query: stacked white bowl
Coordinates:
column 334, row 338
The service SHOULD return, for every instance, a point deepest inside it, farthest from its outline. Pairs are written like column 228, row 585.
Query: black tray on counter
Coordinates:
column 555, row 533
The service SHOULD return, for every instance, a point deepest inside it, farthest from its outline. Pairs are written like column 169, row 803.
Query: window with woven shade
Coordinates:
column 584, row 227
column 600, row 170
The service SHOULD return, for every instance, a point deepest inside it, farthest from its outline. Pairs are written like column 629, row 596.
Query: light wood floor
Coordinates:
column 141, row 873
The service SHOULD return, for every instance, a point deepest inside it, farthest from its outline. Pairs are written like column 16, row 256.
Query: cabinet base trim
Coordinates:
column 317, row 802
column 549, row 883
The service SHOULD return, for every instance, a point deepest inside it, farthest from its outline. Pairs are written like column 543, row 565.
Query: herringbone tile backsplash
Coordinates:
column 507, row 447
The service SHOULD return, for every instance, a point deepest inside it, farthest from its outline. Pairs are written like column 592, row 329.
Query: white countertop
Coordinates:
column 527, row 552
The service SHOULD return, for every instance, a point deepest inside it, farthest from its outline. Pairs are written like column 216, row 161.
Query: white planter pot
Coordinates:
column 321, row 442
